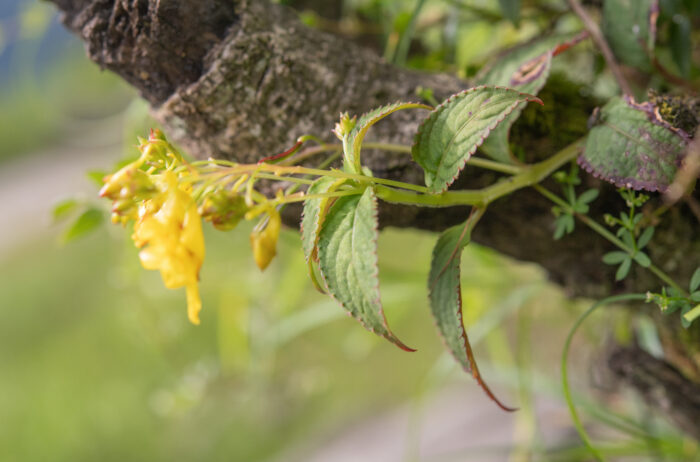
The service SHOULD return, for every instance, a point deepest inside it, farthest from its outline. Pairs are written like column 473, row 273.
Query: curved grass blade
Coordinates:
column 347, row 255
column 455, row 129
column 446, row 298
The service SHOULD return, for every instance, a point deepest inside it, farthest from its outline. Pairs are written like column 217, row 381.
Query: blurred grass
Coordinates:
column 49, row 85
column 99, row 361
column 33, row 114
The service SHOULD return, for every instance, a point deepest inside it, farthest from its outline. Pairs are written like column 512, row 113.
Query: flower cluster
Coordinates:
column 157, row 192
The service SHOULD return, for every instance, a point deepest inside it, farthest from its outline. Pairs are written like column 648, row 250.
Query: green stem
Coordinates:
column 605, row 233
column 300, row 197
column 528, row 176
column 564, row 367
column 401, row 148
column 292, row 179
column 278, row 170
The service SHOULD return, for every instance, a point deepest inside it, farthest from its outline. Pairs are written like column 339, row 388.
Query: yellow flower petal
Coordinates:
column 194, row 303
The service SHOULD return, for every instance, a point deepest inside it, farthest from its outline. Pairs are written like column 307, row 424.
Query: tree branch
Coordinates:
column 662, row 387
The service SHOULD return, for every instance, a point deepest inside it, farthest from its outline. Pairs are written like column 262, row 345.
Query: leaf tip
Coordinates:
column 402, row 345
column 535, row 99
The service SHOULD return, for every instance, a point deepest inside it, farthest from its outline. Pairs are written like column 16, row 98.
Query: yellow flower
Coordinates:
column 169, row 234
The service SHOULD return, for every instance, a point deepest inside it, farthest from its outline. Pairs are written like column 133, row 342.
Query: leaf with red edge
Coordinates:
column 446, row 299
column 347, row 256
column 526, row 68
column 457, row 127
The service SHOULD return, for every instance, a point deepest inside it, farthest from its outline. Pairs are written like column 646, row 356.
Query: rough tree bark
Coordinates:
column 242, row 79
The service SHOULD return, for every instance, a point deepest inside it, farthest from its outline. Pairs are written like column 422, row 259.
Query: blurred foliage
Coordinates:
column 48, row 87
column 101, row 360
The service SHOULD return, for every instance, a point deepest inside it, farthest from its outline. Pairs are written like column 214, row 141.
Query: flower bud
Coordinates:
column 345, row 125
column 264, row 242
column 224, row 209
column 127, row 183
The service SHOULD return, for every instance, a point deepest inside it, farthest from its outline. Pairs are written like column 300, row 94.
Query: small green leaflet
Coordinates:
column 631, row 147
column 446, row 299
column 457, row 127
column 347, row 253
column 353, row 142
column 629, row 27
column 64, row 208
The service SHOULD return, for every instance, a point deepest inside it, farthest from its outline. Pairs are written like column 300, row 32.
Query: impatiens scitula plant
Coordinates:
column 642, row 145
column 167, row 198
column 629, row 145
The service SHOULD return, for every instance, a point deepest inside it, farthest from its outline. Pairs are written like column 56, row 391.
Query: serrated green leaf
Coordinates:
column 446, row 299
column 88, row 221
column 455, row 129
column 695, row 296
column 347, row 256
column 314, row 212
column 511, row 10
column 64, row 208
column 503, row 68
column 642, row 259
column 353, row 144
column 627, row 27
column 645, row 237
column 624, row 269
column 526, row 68
column 695, row 280
column 613, row 258
column 629, row 150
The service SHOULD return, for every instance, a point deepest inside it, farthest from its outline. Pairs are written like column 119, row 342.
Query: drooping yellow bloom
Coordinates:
column 169, row 234
column 264, row 242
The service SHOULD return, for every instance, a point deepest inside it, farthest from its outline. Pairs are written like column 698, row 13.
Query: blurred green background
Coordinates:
column 98, row 361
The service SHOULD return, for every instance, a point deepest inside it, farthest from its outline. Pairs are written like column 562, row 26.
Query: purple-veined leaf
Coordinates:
column 632, row 147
